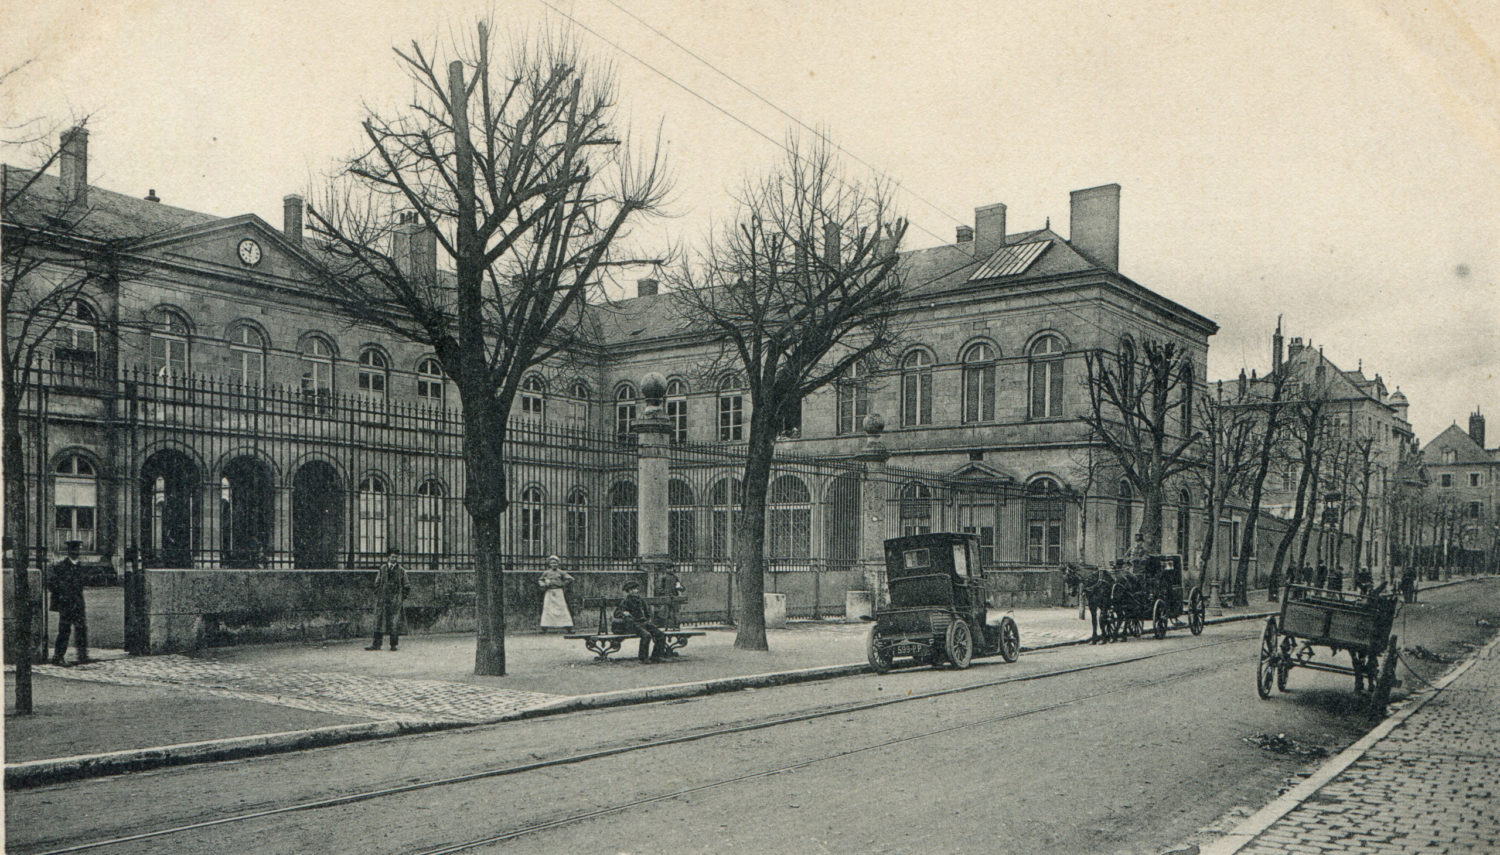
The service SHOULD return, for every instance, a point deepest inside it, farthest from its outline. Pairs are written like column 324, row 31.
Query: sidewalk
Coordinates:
column 1421, row 782
column 125, row 713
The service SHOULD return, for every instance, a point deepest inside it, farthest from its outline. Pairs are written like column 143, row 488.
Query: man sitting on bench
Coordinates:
column 631, row 618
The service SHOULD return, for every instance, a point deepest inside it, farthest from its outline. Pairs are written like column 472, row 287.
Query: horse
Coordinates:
column 1095, row 586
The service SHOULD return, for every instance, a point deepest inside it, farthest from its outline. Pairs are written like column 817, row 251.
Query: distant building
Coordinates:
column 1464, row 479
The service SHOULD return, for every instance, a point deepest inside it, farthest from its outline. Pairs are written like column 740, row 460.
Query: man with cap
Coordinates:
column 631, row 617
column 390, row 599
column 65, row 583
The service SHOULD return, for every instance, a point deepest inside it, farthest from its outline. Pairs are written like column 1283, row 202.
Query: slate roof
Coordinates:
column 1465, row 449
column 108, row 215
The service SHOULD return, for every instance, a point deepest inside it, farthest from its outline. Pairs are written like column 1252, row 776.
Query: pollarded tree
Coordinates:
column 1137, row 401
column 800, row 289
column 515, row 169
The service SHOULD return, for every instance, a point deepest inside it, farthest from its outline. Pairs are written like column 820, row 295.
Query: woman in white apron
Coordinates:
column 555, row 581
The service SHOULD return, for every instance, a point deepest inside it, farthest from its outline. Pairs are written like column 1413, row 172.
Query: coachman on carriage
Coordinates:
column 1136, row 590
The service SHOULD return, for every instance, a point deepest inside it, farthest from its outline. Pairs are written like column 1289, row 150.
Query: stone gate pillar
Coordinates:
column 653, row 430
column 875, row 497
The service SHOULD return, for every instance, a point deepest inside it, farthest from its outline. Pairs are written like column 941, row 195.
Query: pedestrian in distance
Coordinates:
column 1321, row 580
column 65, row 583
column 1363, row 580
column 1409, row 585
column 554, row 583
column 1336, row 579
column 631, row 618
column 391, row 588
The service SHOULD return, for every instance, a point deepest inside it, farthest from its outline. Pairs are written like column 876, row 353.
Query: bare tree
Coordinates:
column 1228, row 450
column 797, row 291
column 515, row 169
column 1268, row 408
column 1135, row 402
column 59, row 259
column 1306, row 426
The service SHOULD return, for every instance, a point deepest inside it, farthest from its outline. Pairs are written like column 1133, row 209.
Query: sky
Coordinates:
column 1335, row 163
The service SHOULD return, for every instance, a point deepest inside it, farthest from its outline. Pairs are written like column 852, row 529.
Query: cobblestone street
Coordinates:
column 405, row 700
column 1428, row 787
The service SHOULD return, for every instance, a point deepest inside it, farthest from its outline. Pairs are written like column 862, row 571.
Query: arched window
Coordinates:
column 622, row 520
column 916, row 389
column 373, row 370
column 853, row 400
column 1124, row 522
column 624, row 412
column 317, row 373
column 76, row 352
column 576, row 540
column 1184, row 522
column 731, row 410
column 916, row 508
column 579, row 398
column 247, row 356
column 533, row 397
column 682, row 529
column 1044, row 521
column 75, row 498
column 169, row 344
column 431, row 382
column 789, row 507
column 1046, row 358
column 725, row 508
column 1187, row 397
column 430, row 495
column 533, row 539
column 979, row 383
column 677, row 409
column 372, row 500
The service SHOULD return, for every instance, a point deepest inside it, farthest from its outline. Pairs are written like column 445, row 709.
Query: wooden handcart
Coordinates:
column 1358, row 624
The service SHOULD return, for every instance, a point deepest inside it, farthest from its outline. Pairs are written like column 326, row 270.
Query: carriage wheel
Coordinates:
column 1010, row 640
column 1270, row 659
column 1136, row 629
column 880, row 658
column 1159, row 620
column 1284, row 665
column 1196, row 610
column 959, row 644
column 1381, row 693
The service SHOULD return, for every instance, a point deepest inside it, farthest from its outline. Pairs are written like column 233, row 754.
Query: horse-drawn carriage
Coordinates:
column 938, row 611
column 1359, row 624
column 1143, row 589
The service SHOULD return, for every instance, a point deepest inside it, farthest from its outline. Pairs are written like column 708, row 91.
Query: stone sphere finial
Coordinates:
column 654, row 388
column 874, row 424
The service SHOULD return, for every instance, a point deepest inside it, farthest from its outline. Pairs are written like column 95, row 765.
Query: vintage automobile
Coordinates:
column 938, row 612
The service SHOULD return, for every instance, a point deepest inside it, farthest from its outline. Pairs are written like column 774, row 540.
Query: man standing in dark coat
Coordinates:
column 65, row 583
column 391, row 588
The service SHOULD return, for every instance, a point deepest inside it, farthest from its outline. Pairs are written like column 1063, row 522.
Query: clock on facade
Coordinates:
column 249, row 252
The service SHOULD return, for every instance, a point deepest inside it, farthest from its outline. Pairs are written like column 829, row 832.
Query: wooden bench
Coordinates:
column 604, row 641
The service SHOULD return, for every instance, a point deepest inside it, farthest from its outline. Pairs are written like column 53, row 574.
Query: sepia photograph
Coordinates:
column 646, row 426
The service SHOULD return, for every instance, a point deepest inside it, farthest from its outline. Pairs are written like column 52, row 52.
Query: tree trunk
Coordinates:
column 1310, row 512
column 1359, row 526
column 1151, row 502
column 1247, row 543
column 750, row 540
column 1299, row 510
column 17, row 537
column 485, row 501
column 1210, row 531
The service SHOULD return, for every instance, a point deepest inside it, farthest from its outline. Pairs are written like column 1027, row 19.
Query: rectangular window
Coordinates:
column 624, row 422
column 916, row 399
column 677, row 414
column 731, row 418
column 1447, row 480
column 854, row 405
column 577, row 530
column 979, row 394
column 531, row 530
column 1475, row 510
column 1046, row 389
column 1473, row 479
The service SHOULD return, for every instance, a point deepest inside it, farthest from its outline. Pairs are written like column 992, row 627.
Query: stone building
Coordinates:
column 202, row 408
column 1463, row 479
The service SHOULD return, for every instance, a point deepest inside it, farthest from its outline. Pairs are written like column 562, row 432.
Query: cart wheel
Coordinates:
column 1381, row 694
column 959, row 644
column 1136, row 629
column 880, row 659
column 1269, row 660
column 1196, row 610
column 1284, row 666
column 1159, row 620
column 1010, row 640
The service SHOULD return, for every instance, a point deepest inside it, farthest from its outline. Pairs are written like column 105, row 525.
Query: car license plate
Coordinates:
column 906, row 650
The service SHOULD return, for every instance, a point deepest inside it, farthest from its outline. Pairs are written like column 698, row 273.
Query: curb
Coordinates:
column 1245, row 833
column 38, row 773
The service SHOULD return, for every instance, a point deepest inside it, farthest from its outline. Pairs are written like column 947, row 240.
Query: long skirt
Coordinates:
column 555, row 614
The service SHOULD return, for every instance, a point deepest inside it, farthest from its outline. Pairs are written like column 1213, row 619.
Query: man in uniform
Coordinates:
column 65, row 583
column 631, row 618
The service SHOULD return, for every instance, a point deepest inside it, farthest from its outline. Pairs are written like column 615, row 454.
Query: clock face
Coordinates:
column 249, row 252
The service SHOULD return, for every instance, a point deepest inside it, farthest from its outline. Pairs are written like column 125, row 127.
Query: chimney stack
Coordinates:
column 1094, row 225
column 646, row 287
column 989, row 229
column 291, row 218
column 1476, row 427
column 414, row 248
column 73, row 165
column 1293, row 347
column 1276, row 348
column 965, row 234
column 151, row 196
